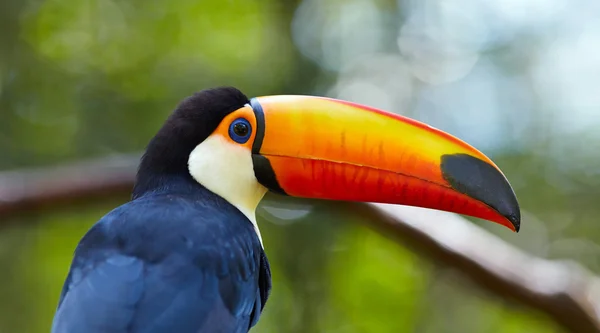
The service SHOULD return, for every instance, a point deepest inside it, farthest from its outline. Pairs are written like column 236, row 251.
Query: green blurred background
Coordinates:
column 519, row 79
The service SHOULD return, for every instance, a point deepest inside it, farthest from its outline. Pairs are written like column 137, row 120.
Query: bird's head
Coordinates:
column 315, row 147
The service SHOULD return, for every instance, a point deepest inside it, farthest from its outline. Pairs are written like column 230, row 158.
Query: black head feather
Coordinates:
column 192, row 122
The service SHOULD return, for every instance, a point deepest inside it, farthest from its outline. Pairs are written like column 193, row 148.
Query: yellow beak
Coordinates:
column 330, row 149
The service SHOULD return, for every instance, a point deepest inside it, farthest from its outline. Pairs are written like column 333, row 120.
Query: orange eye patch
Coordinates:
column 239, row 127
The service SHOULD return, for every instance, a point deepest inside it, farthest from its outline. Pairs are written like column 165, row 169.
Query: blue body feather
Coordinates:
column 168, row 261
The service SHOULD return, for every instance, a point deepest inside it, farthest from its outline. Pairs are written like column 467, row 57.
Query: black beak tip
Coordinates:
column 515, row 219
column 482, row 181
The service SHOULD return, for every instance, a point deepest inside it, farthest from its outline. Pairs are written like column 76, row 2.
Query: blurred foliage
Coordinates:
column 96, row 77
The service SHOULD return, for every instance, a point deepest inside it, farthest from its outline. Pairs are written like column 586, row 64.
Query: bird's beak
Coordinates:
column 323, row 148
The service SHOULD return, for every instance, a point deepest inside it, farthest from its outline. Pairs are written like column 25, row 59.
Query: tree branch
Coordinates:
column 21, row 191
column 564, row 290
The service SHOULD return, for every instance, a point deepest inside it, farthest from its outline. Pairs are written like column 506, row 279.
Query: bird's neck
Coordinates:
column 185, row 186
column 163, row 167
column 149, row 183
column 163, row 170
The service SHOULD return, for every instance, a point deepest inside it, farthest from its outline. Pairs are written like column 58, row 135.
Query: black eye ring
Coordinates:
column 240, row 130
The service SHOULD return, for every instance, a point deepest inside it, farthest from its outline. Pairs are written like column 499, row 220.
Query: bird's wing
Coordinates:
column 117, row 293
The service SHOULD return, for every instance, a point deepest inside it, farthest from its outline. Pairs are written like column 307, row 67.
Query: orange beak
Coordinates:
column 323, row 148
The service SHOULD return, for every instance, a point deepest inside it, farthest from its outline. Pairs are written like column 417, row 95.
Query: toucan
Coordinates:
column 185, row 254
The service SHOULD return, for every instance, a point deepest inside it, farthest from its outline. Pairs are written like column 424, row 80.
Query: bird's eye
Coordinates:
column 240, row 130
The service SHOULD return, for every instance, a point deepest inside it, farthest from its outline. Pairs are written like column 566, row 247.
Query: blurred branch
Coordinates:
column 564, row 290
column 21, row 191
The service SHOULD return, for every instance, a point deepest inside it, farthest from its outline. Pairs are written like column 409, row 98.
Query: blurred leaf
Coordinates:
column 375, row 284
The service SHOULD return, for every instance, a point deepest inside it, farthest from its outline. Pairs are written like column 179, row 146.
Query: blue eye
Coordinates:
column 240, row 130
